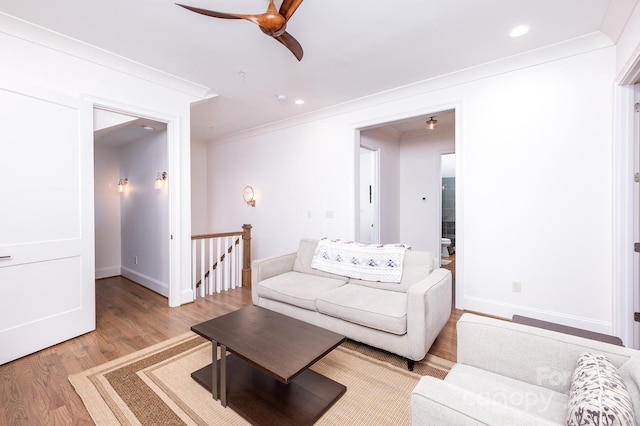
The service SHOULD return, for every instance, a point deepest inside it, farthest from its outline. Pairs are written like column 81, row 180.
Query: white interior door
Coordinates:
column 369, row 229
column 47, row 289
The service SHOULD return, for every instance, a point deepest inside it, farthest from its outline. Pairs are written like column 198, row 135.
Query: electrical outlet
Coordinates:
column 516, row 286
column 329, row 214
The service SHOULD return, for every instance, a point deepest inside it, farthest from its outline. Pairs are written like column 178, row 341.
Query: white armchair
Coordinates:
column 509, row 374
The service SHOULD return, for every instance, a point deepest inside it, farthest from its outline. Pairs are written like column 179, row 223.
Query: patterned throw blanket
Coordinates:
column 370, row 262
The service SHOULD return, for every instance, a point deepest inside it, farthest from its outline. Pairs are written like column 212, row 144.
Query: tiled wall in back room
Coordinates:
column 449, row 209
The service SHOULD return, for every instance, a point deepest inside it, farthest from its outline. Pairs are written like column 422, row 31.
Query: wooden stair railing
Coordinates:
column 230, row 260
column 222, row 258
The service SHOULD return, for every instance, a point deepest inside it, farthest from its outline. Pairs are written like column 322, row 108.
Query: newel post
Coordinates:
column 246, row 258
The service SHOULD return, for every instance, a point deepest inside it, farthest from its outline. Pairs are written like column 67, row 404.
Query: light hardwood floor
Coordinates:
column 34, row 390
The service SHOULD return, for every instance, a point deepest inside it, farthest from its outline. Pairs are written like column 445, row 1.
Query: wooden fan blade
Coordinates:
column 291, row 44
column 212, row 13
column 288, row 8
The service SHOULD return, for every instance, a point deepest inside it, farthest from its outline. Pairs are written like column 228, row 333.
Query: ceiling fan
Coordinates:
column 273, row 22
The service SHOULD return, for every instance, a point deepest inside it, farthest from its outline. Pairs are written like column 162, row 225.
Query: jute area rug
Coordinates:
column 154, row 386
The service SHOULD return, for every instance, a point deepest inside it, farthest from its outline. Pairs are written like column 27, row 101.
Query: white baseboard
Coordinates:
column 186, row 296
column 111, row 271
column 146, row 281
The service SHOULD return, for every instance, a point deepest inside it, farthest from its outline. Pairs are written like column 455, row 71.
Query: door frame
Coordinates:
column 626, row 215
column 626, row 203
column 636, row 221
column 629, row 301
column 173, row 170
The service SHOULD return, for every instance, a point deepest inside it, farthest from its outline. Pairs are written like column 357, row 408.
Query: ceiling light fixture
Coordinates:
column 299, row 102
column 281, row 98
column 147, row 127
column 431, row 123
column 519, row 31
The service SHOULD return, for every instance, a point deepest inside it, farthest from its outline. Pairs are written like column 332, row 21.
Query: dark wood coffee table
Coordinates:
column 266, row 377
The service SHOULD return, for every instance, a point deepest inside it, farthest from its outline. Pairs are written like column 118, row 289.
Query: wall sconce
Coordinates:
column 162, row 176
column 249, row 196
column 121, row 184
column 431, row 123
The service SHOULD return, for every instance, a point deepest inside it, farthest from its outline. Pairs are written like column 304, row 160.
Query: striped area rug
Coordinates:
column 154, row 386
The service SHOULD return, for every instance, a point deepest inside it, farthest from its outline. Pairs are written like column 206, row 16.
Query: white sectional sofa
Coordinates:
column 513, row 374
column 403, row 318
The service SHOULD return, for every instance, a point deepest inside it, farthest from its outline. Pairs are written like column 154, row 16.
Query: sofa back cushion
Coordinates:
column 306, row 249
column 417, row 265
column 533, row 355
column 630, row 372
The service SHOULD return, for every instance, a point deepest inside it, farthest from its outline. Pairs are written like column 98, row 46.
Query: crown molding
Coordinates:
column 617, row 17
column 44, row 37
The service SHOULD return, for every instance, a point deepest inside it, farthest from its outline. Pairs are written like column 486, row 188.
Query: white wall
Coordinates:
column 388, row 146
column 420, row 220
column 107, row 211
column 145, row 213
column 199, row 196
column 293, row 179
column 534, row 148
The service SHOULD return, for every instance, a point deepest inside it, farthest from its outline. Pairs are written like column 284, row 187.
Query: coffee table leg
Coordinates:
column 223, row 375
column 214, row 369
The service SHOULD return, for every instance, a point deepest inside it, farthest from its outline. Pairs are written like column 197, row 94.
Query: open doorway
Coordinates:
column 131, row 197
column 410, row 181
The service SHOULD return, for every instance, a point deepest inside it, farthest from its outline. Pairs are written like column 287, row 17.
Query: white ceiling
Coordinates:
column 352, row 49
column 128, row 132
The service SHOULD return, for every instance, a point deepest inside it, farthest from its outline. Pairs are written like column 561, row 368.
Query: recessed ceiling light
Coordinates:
column 147, row 127
column 281, row 98
column 299, row 102
column 519, row 31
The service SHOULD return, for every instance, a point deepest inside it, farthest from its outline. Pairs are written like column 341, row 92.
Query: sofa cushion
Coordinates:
column 297, row 289
column 630, row 372
column 304, row 257
column 416, row 266
column 536, row 400
column 598, row 395
column 375, row 308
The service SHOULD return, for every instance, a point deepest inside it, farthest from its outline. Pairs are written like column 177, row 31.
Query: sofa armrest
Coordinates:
column 533, row 355
column 436, row 402
column 268, row 267
column 428, row 310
